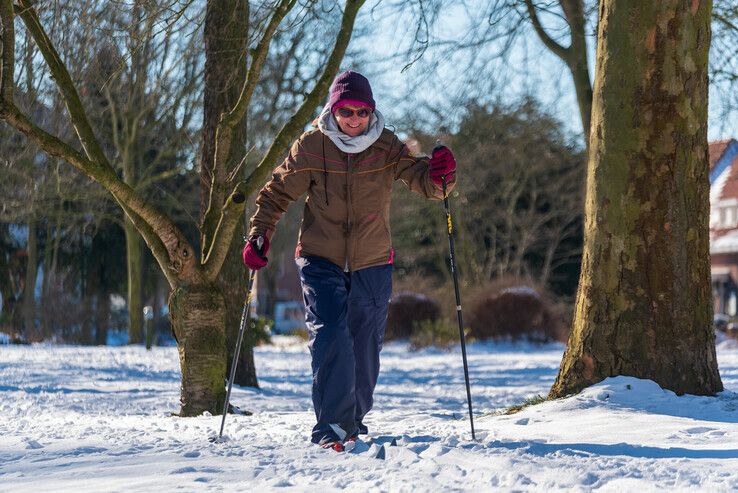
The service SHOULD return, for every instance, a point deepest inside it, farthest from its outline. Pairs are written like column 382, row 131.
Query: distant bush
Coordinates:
column 302, row 334
column 258, row 331
column 437, row 333
column 406, row 309
column 516, row 312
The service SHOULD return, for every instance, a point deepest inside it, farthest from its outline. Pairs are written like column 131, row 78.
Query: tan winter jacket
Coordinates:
column 346, row 217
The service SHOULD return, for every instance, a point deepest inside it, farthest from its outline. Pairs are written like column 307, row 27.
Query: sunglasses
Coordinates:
column 347, row 113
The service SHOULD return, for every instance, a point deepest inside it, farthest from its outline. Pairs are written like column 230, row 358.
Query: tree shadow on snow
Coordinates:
column 615, row 449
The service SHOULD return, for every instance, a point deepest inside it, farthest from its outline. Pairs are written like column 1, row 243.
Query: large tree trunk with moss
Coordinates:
column 198, row 322
column 226, row 39
column 134, row 265
column 644, row 305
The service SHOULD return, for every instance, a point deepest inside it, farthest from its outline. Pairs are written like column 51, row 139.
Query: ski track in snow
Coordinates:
column 101, row 419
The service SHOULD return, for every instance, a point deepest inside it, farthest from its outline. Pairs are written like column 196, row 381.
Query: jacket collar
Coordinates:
column 352, row 145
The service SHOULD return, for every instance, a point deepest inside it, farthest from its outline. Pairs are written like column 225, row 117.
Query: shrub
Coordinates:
column 302, row 334
column 407, row 308
column 517, row 312
column 437, row 333
column 258, row 331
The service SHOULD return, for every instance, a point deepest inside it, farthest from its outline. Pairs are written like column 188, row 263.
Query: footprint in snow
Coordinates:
column 522, row 422
column 88, row 450
column 32, row 444
column 433, row 450
column 282, row 483
column 698, row 430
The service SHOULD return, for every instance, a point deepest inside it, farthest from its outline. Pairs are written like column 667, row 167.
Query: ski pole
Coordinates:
column 244, row 318
column 458, row 298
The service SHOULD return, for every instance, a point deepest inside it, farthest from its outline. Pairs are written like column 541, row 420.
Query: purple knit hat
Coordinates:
column 353, row 86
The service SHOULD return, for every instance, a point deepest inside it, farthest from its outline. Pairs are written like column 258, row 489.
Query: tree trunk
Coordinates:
column 102, row 317
column 644, row 305
column 574, row 55
column 46, row 282
column 85, row 337
column 198, row 319
column 226, row 38
column 577, row 61
column 161, row 291
column 6, row 284
column 29, row 289
column 134, row 264
column 50, row 279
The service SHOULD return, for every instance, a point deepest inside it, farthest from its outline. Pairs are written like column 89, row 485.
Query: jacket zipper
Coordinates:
column 349, row 212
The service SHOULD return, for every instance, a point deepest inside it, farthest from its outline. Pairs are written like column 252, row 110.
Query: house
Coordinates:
column 724, row 225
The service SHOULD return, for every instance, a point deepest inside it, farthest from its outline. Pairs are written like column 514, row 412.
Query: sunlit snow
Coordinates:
column 100, row 419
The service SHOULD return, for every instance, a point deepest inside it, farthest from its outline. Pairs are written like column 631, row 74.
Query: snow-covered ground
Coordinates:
column 100, row 419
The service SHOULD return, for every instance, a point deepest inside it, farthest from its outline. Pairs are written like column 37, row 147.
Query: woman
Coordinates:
column 347, row 167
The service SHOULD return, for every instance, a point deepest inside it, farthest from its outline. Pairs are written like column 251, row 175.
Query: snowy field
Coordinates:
column 100, row 419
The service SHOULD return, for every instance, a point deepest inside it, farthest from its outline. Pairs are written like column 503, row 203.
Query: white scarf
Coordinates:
column 329, row 126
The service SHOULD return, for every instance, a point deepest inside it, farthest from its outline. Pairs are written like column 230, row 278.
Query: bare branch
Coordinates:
column 552, row 45
column 124, row 195
column 150, row 180
column 252, row 77
column 64, row 82
column 167, row 243
column 420, row 28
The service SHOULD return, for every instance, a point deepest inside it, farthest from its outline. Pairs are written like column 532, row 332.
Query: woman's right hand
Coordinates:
column 254, row 252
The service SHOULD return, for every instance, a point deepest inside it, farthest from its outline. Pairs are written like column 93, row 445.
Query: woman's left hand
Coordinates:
column 442, row 163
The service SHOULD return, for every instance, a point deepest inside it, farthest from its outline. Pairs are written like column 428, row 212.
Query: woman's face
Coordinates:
column 353, row 120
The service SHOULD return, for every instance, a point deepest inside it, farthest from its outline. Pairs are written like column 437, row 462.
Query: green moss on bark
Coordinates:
column 198, row 321
column 644, row 301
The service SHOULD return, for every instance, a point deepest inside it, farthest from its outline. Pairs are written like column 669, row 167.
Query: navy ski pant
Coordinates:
column 346, row 314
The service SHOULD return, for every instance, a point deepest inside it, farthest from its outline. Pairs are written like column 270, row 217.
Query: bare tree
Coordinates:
column 197, row 303
column 145, row 130
column 50, row 202
column 147, row 91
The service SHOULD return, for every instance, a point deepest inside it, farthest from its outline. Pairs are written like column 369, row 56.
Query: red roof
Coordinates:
column 716, row 150
column 727, row 184
column 730, row 186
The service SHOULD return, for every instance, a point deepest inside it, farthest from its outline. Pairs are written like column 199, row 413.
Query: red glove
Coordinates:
column 442, row 163
column 254, row 257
